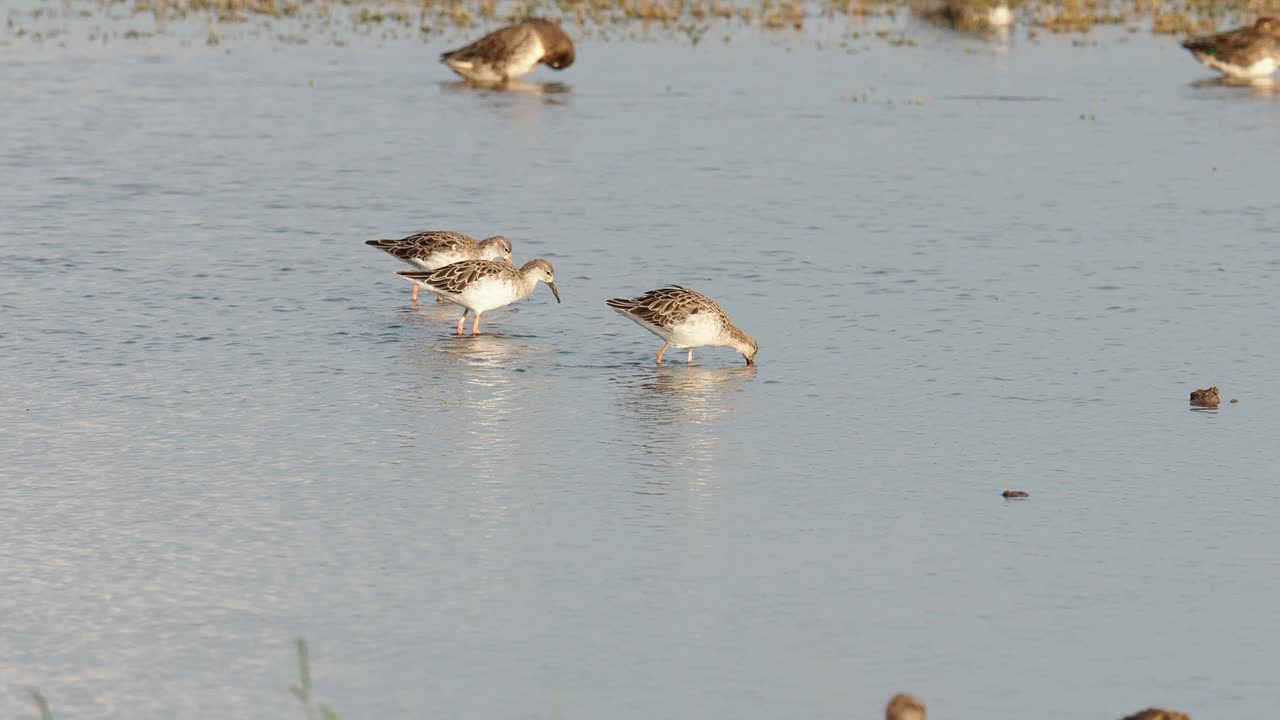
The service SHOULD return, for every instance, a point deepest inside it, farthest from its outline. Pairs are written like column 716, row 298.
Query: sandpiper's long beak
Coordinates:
column 750, row 360
column 554, row 291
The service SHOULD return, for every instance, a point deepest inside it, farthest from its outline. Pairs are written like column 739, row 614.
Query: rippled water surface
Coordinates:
column 970, row 266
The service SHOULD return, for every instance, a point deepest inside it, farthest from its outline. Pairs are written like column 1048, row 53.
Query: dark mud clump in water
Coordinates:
column 1208, row 397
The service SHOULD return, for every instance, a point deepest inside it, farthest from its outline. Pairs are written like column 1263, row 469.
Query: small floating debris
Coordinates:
column 1158, row 714
column 1014, row 494
column 1206, row 397
column 1234, row 401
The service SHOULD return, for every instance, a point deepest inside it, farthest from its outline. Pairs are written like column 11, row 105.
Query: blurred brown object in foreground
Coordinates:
column 904, row 707
column 1158, row 714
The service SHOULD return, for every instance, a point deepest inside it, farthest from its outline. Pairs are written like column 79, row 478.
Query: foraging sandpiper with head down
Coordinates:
column 686, row 319
column 433, row 249
column 511, row 52
column 1250, row 52
column 483, row 285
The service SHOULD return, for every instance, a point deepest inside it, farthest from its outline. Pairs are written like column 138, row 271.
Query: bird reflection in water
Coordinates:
column 548, row 90
column 672, row 417
column 1264, row 86
column 475, row 387
column 466, row 396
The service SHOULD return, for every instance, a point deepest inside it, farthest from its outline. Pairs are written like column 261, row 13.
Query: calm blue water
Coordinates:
column 223, row 425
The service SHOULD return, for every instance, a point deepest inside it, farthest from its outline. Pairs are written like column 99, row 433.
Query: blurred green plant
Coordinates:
column 303, row 689
column 41, row 704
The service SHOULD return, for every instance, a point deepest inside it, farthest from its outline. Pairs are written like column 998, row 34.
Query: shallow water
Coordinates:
column 224, row 425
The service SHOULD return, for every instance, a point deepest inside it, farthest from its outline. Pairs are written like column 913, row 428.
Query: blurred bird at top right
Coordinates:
column 1249, row 52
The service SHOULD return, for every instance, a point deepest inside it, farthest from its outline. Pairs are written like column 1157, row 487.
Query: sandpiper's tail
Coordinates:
column 415, row 275
column 452, row 54
column 403, row 248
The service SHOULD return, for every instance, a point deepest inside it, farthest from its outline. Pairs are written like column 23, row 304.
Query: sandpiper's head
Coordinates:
column 1268, row 25
column 744, row 344
column 558, row 53
column 904, row 707
column 541, row 271
column 496, row 248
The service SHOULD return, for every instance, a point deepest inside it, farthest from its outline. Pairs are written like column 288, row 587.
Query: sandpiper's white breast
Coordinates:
column 437, row 260
column 697, row 330
column 489, row 293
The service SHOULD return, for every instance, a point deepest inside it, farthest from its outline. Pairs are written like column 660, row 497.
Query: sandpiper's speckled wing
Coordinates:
column 667, row 307
column 424, row 244
column 498, row 47
column 1242, row 47
column 453, row 279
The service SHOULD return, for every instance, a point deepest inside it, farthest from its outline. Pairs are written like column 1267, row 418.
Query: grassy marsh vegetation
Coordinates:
column 300, row 21
column 302, row 689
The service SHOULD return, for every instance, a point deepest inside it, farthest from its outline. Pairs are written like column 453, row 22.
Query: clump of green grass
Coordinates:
column 303, row 689
column 37, row 698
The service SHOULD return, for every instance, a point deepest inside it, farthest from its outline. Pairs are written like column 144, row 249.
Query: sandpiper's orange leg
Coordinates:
column 475, row 326
column 664, row 349
column 462, row 320
column 690, row 356
column 415, row 294
column 439, row 299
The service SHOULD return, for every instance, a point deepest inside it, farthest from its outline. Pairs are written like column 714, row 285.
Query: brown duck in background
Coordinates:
column 1251, row 52
column 971, row 15
column 512, row 51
